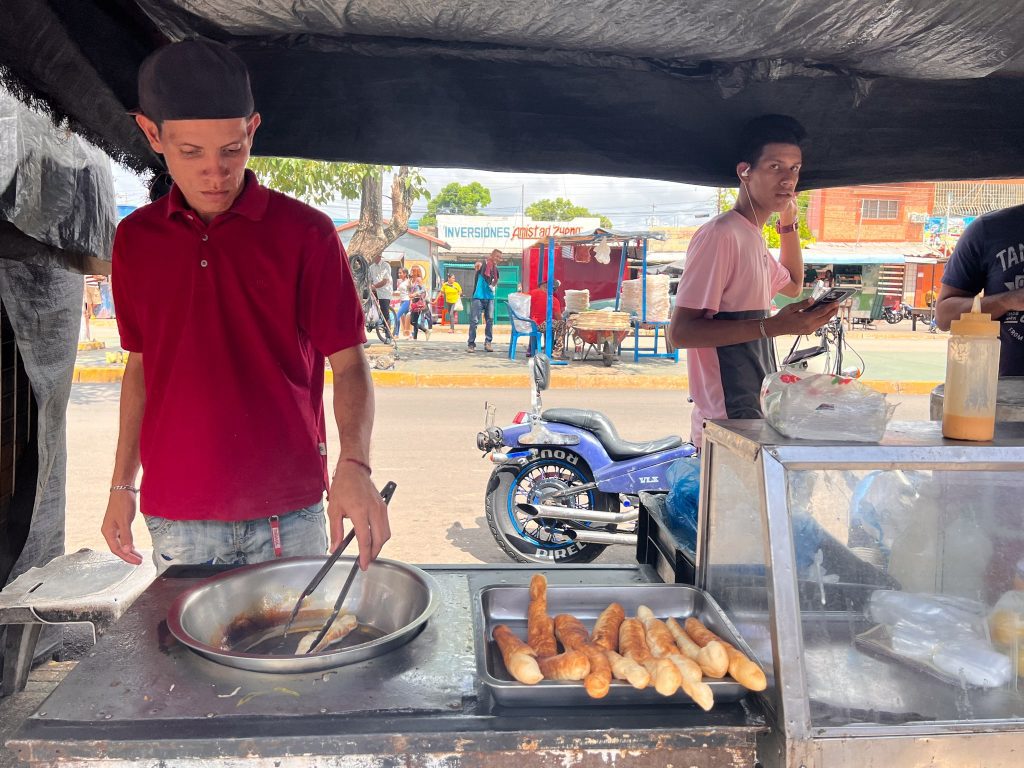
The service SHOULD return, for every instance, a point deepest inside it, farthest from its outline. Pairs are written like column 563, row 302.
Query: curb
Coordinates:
column 559, row 380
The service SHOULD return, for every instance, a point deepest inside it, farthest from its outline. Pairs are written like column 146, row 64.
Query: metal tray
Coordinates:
column 508, row 605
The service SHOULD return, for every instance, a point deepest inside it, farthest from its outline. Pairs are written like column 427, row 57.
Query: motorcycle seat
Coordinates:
column 602, row 428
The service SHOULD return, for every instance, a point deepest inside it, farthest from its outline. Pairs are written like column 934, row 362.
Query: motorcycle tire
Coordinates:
column 535, row 540
column 893, row 317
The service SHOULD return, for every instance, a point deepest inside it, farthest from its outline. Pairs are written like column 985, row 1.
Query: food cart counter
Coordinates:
column 141, row 698
column 882, row 587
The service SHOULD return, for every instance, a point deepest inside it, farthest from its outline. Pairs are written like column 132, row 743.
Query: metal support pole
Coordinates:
column 623, row 254
column 548, row 325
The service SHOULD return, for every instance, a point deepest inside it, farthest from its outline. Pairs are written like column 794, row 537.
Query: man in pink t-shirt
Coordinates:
column 722, row 304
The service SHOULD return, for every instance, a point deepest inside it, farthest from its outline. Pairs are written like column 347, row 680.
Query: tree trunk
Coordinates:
column 372, row 236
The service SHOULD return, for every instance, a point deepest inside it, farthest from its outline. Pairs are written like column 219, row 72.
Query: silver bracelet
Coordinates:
column 760, row 324
column 131, row 488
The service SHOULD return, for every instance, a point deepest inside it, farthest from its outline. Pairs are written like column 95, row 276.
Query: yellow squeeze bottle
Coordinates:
column 972, row 376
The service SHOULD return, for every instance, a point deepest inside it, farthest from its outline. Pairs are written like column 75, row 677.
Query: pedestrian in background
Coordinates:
column 92, row 300
column 452, row 300
column 402, row 304
column 418, row 305
column 485, row 278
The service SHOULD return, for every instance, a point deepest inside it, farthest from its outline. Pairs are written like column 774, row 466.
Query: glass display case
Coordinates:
column 881, row 586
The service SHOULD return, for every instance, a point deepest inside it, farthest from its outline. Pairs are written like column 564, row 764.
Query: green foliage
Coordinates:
column 457, row 199
column 727, row 199
column 561, row 209
column 318, row 183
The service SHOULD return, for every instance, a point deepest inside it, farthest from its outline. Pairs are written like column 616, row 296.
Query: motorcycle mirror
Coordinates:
column 540, row 366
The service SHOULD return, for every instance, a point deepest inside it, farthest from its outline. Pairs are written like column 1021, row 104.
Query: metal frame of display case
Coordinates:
column 793, row 741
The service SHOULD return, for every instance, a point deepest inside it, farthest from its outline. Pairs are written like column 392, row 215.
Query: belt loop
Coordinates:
column 275, row 534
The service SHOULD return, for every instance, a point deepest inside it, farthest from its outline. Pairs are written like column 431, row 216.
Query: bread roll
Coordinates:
column 518, row 656
column 666, row 675
column 571, row 665
column 540, row 629
column 628, row 670
column 343, row 624
column 712, row 658
column 633, row 644
column 743, row 670
column 573, row 635
column 606, row 628
column 700, row 692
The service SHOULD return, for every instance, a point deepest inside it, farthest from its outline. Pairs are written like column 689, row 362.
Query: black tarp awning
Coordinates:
column 889, row 90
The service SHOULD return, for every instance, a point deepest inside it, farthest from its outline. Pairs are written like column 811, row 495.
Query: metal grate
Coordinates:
column 974, row 198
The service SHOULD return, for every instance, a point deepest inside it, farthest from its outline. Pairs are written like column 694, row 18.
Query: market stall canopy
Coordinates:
column 865, row 253
column 603, row 235
column 889, row 91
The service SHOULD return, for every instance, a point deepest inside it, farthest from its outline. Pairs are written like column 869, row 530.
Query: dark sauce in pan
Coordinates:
column 261, row 634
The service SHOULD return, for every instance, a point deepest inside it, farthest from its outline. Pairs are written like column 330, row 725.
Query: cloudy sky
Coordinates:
column 629, row 203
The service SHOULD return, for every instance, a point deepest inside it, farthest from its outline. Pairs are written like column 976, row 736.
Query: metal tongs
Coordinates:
column 386, row 493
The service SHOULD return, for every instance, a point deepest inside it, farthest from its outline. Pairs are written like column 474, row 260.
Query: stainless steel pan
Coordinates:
column 230, row 612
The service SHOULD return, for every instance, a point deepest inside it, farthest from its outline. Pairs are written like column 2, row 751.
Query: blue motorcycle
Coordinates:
column 566, row 485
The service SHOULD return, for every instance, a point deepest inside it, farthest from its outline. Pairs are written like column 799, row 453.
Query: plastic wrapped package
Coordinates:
column 946, row 635
column 930, row 613
column 824, row 407
column 55, row 188
column 520, row 304
column 658, row 304
column 577, row 301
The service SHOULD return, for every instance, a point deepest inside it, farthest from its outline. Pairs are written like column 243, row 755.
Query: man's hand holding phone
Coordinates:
column 802, row 317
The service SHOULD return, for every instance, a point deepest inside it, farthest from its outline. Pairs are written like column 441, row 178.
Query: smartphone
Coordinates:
column 833, row 296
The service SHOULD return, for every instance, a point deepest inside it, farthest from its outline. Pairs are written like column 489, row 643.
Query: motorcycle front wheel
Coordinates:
column 892, row 317
column 527, row 539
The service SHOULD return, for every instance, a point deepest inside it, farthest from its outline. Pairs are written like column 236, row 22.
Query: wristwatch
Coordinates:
column 782, row 229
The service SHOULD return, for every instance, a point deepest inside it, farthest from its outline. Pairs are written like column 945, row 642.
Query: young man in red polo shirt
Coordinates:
column 230, row 296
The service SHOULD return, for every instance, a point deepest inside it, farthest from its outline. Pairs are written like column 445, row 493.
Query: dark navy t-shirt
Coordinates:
column 990, row 257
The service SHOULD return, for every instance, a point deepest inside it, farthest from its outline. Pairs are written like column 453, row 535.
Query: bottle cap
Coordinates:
column 975, row 322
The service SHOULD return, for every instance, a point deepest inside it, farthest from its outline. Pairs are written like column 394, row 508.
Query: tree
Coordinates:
column 727, row 199
column 458, row 199
column 561, row 209
column 319, row 183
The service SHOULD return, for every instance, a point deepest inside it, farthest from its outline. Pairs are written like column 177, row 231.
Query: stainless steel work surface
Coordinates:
column 140, row 672
column 421, row 706
column 508, row 605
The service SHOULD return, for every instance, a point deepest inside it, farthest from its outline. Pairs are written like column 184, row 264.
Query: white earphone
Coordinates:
column 743, row 175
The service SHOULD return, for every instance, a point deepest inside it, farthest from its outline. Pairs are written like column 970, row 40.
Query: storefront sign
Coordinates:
column 942, row 233
column 482, row 233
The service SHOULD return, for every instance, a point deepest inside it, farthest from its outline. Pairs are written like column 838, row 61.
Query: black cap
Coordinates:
column 194, row 80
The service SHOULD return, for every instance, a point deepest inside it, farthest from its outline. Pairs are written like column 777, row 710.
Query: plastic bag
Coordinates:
column 520, row 304
column 820, row 406
column 684, row 499
column 946, row 634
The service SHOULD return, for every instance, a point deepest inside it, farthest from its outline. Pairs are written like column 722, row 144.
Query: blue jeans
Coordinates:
column 213, row 542
column 403, row 309
column 478, row 307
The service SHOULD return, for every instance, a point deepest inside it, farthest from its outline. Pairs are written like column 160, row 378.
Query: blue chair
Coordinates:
column 536, row 338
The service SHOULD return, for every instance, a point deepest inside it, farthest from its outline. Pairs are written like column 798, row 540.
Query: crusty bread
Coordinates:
column 540, row 629
column 606, row 628
column 518, row 656
column 743, row 670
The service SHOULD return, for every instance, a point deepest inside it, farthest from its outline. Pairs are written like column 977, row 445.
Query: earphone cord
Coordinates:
column 753, row 210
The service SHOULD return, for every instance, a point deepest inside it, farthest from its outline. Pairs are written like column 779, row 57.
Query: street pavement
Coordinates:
column 892, row 358
column 424, row 439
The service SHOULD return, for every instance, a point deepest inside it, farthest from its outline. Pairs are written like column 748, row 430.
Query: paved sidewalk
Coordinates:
column 893, row 361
